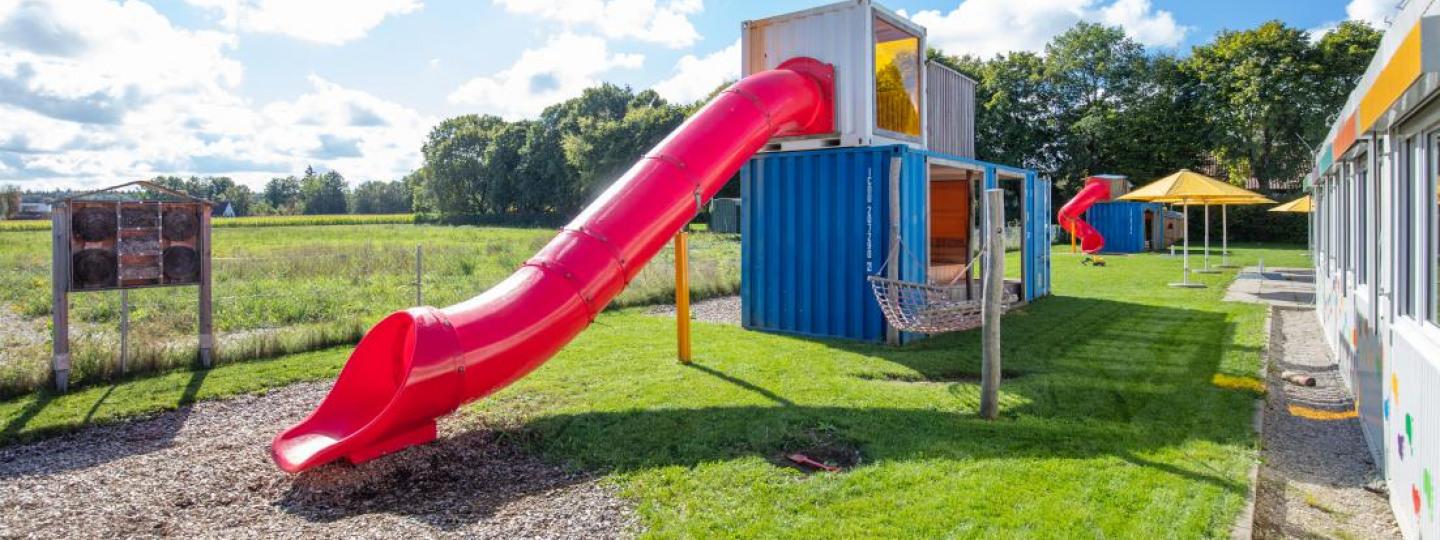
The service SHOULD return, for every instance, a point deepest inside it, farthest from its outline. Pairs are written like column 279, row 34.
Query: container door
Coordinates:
column 1037, row 237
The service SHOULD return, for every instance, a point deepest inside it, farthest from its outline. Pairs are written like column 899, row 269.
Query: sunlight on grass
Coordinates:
column 1113, row 423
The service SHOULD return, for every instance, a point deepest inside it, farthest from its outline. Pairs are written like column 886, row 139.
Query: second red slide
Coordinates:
column 1095, row 190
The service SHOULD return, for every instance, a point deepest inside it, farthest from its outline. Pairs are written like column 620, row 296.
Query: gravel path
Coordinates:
column 725, row 309
column 205, row 472
column 1315, row 472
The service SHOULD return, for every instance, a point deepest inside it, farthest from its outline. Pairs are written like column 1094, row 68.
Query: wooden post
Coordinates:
column 59, row 295
column 124, row 330
column 207, row 334
column 419, row 272
column 682, row 296
column 992, row 308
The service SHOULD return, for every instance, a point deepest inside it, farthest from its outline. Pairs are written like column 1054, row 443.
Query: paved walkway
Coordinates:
column 1286, row 287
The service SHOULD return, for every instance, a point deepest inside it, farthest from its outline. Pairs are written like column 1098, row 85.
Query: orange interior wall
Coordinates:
column 949, row 222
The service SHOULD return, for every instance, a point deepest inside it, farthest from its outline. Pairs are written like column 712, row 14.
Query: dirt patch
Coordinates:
column 205, row 471
column 823, row 445
column 725, row 309
column 1317, row 478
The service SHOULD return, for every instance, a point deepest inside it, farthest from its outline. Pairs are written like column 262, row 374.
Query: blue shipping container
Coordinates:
column 815, row 224
column 1122, row 223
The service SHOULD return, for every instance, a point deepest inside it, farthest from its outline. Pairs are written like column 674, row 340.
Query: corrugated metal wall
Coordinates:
column 1122, row 223
column 951, row 101
column 813, row 226
column 840, row 34
column 829, row 35
column 725, row 216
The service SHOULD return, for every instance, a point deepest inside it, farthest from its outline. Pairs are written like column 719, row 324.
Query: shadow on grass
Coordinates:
column 151, row 435
column 1097, row 378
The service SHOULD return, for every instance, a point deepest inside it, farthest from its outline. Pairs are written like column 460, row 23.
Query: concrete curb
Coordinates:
column 1244, row 528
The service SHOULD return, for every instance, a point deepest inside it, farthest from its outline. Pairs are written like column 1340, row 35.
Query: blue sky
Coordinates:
column 100, row 91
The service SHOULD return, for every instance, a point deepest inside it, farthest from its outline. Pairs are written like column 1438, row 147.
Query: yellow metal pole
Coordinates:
column 1072, row 240
column 682, row 296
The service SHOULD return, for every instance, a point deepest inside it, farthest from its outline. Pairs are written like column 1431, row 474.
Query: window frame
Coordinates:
column 1409, row 168
column 881, row 16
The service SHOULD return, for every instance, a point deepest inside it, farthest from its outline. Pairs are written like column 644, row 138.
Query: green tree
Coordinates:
column 239, row 197
column 1269, row 93
column 323, row 193
column 454, row 160
column 377, row 197
column 282, row 193
column 10, row 198
column 1095, row 75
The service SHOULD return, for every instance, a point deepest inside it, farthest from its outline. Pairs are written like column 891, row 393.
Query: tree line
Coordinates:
column 482, row 165
column 311, row 193
column 1249, row 104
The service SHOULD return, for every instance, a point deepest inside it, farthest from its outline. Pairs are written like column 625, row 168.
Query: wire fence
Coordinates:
column 274, row 301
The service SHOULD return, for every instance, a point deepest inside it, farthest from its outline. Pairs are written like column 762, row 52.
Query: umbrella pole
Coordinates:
column 1185, row 224
column 1225, row 236
column 1207, row 269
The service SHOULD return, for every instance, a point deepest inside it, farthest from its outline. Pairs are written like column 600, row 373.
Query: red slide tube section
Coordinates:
column 1095, row 190
column 419, row 364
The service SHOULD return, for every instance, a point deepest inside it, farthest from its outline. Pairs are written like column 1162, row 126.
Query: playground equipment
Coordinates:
column 422, row 363
column 1097, row 189
column 867, row 138
column 823, row 213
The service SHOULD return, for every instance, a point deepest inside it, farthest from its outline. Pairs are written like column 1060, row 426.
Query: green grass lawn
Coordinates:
column 282, row 290
column 1111, row 426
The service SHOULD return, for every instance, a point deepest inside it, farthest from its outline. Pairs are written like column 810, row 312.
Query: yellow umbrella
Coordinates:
column 1186, row 187
column 1303, row 204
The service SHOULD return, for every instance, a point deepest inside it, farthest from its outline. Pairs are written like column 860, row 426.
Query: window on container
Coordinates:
column 1342, row 207
column 1431, row 204
column 897, row 79
column 1362, row 220
column 1405, row 229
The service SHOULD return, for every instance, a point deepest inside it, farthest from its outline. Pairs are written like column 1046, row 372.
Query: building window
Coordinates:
column 1347, row 223
column 897, row 79
column 1431, row 217
column 1405, row 229
column 1362, row 220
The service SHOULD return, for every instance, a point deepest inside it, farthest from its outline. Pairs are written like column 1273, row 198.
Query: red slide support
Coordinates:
column 419, row 364
column 1095, row 190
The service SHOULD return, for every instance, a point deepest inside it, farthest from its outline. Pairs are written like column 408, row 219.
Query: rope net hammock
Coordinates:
column 931, row 309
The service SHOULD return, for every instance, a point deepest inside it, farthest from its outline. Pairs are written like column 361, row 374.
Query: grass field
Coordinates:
column 282, row 290
column 1113, row 424
column 255, row 221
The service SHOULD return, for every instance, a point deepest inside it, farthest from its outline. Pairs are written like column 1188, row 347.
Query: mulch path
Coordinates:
column 205, row 471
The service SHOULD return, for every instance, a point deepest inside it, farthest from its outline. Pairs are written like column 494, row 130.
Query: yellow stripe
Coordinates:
column 1318, row 414
column 1238, row 383
column 1400, row 72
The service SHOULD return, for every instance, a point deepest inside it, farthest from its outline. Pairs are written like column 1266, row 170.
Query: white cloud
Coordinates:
column 695, row 77
column 642, row 20
column 559, row 70
column 434, row 63
column 328, row 22
column 1376, row 12
column 93, row 93
column 989, row 27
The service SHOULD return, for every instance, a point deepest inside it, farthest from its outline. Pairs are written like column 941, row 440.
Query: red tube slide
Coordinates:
column 423, row 363
column 1095, row 190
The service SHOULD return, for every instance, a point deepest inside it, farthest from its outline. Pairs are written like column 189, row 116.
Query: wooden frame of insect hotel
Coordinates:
column 131, row 236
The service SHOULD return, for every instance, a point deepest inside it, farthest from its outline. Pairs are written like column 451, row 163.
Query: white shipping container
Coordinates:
column 844, row 35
